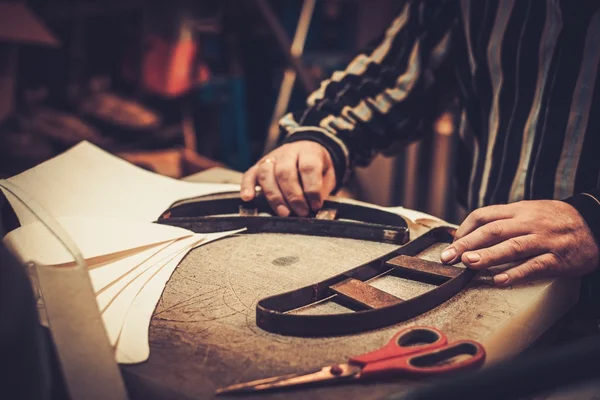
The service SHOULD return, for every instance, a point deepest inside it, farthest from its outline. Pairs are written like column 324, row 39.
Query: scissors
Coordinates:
column 412, row 352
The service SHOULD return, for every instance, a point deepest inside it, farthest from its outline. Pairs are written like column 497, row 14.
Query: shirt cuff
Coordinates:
column 588, row 205
column 336, row 148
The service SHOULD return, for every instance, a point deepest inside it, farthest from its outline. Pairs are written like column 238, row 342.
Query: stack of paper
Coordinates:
column 107, row 207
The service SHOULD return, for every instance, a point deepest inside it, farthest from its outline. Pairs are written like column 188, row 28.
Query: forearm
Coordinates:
column 379, row 98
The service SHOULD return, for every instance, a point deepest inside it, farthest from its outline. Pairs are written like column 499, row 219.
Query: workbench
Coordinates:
column 203, row 333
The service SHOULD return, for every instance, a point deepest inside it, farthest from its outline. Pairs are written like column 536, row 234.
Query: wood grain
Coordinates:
column 203, row 333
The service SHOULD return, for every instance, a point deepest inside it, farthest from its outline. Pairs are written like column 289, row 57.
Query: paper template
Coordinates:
column 108, row 294
column 93, row 236
column 108, row 273
column 88, row 181
column 413, row 215
column 133, row 345
column 108, row 206
column 114, row 315
column 116, row 312
column 115, row 303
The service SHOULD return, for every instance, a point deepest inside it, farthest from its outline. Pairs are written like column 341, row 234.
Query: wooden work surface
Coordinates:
column 203, row 333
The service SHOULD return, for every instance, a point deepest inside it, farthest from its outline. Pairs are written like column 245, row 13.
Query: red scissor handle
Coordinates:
column 416, row 339
column 430, row 362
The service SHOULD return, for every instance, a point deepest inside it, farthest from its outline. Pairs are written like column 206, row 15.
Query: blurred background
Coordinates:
column 181, row 86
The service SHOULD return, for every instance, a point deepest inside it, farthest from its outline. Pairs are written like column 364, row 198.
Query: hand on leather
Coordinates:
column 542, row 237
column 297, row 176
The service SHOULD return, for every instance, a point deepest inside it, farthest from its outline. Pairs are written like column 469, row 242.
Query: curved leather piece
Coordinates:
column 216, row 213
column 276, row 313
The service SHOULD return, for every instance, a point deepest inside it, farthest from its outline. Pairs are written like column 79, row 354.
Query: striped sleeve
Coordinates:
column 379, row 98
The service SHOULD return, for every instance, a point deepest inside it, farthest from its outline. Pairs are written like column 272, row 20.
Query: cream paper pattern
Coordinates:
column 108, row 208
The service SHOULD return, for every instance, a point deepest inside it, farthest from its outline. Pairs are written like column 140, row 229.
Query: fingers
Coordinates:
column 248, row 191
column 483, row 216
column 514, row 249
column 295, row 177
column 484, row 236
column 311, row 168
column 329, row 181
column 537, row 267
column 266, row 179
column 286, row 172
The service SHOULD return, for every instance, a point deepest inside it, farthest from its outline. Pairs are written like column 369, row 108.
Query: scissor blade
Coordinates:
column 332, row 372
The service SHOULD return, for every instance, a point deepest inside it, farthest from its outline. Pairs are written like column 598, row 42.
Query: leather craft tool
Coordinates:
column 414, row 352
column 373, row 308
column 224, row 212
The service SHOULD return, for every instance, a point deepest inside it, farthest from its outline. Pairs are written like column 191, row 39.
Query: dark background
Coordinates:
column 131, row 52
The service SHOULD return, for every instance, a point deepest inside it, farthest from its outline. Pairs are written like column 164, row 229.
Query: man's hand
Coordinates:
column 542, row 237
column 296, row 176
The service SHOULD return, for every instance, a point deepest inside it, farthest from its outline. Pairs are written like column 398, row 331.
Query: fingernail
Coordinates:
column 501, row 278
column 315, row 205
column 282, row 211
column 448, row 254
column 473, row 257
column 302, row 212
column 246, row 194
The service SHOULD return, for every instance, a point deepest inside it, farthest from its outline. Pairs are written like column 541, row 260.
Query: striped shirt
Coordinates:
column 527, row 73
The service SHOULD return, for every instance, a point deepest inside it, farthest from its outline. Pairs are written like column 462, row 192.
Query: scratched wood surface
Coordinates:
column 203, row 333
